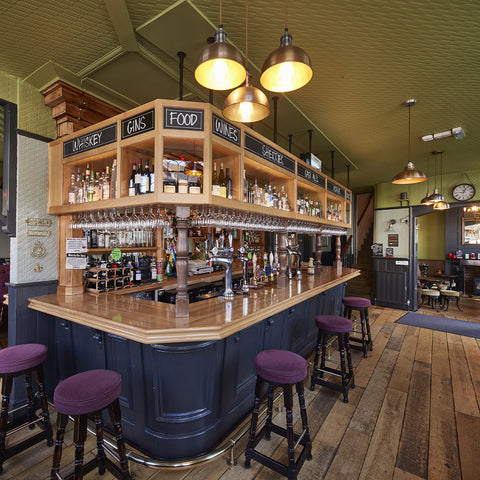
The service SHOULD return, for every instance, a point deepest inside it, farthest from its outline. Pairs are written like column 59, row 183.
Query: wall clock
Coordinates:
column 463, row 191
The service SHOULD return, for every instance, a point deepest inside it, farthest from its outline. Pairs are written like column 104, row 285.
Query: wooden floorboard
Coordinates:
column 414, row 414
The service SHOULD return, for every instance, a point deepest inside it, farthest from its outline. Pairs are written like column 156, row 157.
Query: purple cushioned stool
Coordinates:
column 84, row 395
column 362, row 305
column 23, row 360
column 328, row 326
column 284, row 369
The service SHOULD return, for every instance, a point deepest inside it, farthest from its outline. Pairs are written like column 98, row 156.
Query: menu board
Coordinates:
column 143, row 122
column 310, row 175
column 269, row 153
column 226, row 130
column 89, row 141
column 334, row 188
column 183, row 118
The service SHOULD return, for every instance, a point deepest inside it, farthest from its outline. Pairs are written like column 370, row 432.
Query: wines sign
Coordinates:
column 265, row 151
column 89, row 141
column 183, row 118
column 143, row 122
column 311, row 176
column 225, row 130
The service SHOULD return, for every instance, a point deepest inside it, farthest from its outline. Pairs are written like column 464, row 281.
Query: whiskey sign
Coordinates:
column 143, row 122
column 183, row 118
column 89, row 141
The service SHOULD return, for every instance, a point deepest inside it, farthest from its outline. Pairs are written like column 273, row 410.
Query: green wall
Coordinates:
column 431, row 236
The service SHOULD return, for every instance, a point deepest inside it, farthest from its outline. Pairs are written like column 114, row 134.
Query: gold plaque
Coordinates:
column 38, row 222
column 38, row 250
column 38, row 233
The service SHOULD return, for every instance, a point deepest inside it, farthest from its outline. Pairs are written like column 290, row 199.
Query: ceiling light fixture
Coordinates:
column 442, row 204
column 436, row 197
column 246, row 103
column 426, row 199
column 410, row 174
column 288, row 67
column 457, row 132
column 220, row 66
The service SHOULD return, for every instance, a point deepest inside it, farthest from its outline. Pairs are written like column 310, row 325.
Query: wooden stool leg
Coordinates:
column 315, row 361
column 458, row 303
column 367, row 324
column 303, row 415
column 62, row 421
column 6, row 390
column 343, row 367
column 116, row 416
column 30, row 400
column 287, row 397
column 268, row 422
column 323, row 341
column 253, row 424
column 100, row 450
column 44, row 405
column 79, row 438
column 364, row 332
column 349, row 360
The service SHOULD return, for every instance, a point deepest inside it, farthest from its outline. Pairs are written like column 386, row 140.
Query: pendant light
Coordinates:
column 288, row 67
column 410, row 174
column 436, row 197
column 220, row 66
column 246, row 103
column 426, row 199
column 442, row 204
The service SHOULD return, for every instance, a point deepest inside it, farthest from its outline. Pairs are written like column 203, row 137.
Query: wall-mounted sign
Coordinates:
column 393, row 240
column 265, row 151
column 223, row 129
column 38, row 250
column 182, row 118
column 38, row 222
column 334, row 188
column 311, row 175
column 89, row 141
column 143, row 122
column 38, row 233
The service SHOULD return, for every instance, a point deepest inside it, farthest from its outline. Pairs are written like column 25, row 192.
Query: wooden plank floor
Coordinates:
column 414, row 414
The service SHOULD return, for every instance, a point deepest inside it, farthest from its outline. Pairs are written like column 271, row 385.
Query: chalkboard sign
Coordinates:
column 89, row 141
column 377, row 249
column 265, row 151
column 223, row 129
column 348, row 196
column 182, row 118
column 143, row 122
column 334, row 188
column 311, row 176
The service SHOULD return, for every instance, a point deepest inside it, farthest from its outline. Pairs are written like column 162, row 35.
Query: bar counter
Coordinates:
column 151, row 322
column 186, row 382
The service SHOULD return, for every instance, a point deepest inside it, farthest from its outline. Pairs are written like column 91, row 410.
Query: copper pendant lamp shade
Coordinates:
column 442, row 205
column 220, row 66
column 246, row 104
column 287, row 68
column 410, row 174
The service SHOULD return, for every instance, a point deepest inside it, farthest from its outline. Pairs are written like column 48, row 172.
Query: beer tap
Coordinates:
column 223, row 256
column 291, row 251
column 244, row 257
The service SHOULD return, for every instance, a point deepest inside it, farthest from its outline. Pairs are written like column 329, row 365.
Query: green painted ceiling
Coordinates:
column 368, row 56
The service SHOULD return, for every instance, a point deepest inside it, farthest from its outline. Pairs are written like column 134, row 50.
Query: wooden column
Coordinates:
column 338, row 258
column 282, row 280
column 74, row 109
column 318, row 255
column 181, row 302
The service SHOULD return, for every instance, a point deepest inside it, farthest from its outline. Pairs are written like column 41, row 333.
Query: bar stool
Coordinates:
column 362, row 305
column 84, row 395
column 284, row 369
column 328, row 326
column 447, row 295
column 432, row 295
column 23, row 360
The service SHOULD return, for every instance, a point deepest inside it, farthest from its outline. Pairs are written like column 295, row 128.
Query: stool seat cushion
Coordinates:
column 22, row 357
column 280, row 366
column 87, row 392
column 450, row 293
column 334, row 323
column 356, row 302
column 429, row 292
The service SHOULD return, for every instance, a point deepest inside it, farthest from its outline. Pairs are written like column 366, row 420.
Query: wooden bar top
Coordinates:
column 150, row 322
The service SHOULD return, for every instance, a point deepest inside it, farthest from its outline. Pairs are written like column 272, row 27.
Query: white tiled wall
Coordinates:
column 32, row 203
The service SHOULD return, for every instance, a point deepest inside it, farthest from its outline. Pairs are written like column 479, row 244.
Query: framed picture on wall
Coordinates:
column 393, row 240
column 389, row 252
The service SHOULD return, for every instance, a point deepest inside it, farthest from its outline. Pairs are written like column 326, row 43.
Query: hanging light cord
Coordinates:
column 435, row 172
column 221, row 23
column 428, row 173
column 409, row 110
column 441, row 173
column 286, row 8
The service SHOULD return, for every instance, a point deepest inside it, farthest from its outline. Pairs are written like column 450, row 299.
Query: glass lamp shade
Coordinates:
column 436, row 197
column 441, row 205
column 220, row 66
column 246, row 104
column 287, row 68
column 409, row 175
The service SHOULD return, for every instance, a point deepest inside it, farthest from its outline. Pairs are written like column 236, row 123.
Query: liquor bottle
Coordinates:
column 215, row 181
column 145, row 180
column 223, row 182
column 72, row 190
column 169, row 183
column 138, row 274
column 151, row 182
column 113, row 180
column 195, row 179
column 106, row 184
column 96, row 186
column 131, row 182
column 78, row 181
column 245, row 187
column 153, row 269
column 182, row 186
column 228, row 181
column 138, row 178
